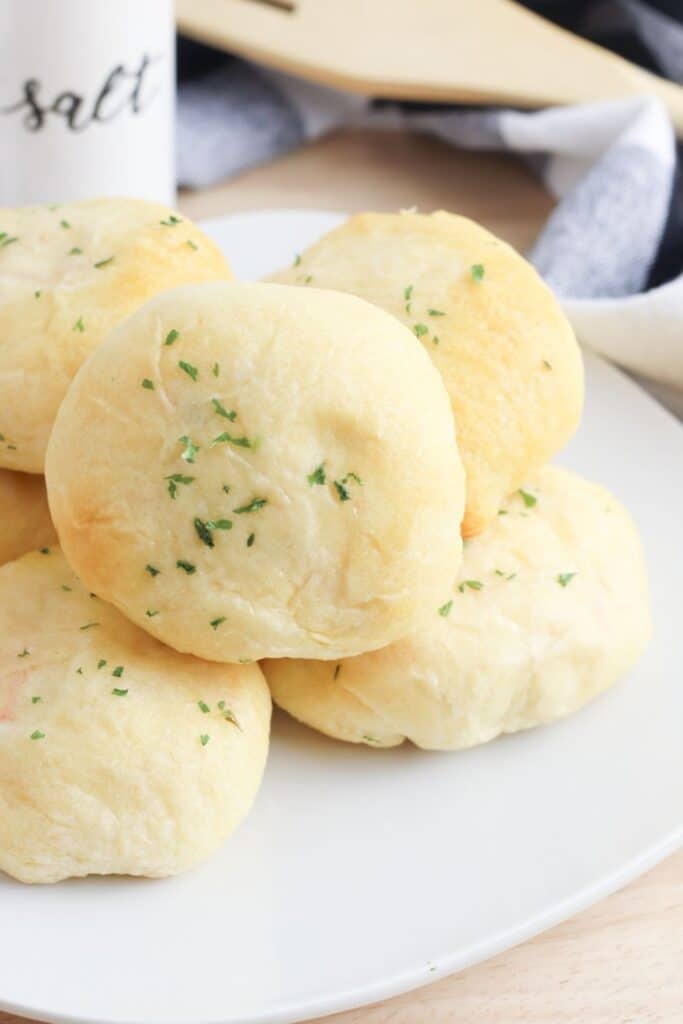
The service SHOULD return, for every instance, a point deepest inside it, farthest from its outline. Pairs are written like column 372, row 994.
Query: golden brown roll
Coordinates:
column 505, row 350
column 68, row 274
column 273, row 470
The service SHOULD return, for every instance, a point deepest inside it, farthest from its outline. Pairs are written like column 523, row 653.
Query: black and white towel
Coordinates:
column 613, row 247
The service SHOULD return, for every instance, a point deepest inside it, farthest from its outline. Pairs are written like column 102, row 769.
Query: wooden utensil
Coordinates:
column 487, row 51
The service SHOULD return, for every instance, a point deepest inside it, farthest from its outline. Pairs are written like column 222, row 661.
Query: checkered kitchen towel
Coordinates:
column 613, row 247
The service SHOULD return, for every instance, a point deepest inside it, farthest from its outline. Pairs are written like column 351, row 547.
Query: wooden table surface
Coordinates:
column 620, row 962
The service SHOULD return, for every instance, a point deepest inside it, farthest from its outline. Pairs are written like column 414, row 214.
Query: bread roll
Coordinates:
column 68, row 274
column 117, row 754
column 273, row 469
column 505, row 350
column 550, row 609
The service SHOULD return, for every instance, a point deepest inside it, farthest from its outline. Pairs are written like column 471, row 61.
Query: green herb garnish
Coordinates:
column 117, row 692
column 528, row 499
column 171, row 221
column 297, row 259
column 250, row 539
column 420, row 330
column 36, row 700
column 227, row 414
column 219, row 524
column 215, row 623
column 191, row 245
column 342, row 490
column 147, row 383
column 204, row 739
column 89, row 625
column 45, row 551
column 317, row 476
column 203, row 706
column 79, row 325
column 337, row 670
column 471, row 584
column 191, row 448
column 565, row 578
column 216, row 369
column 64, row 224
column 6, row 239
column 172, row 336
column 37, row 735
column 103, row 263
column 477, row 271
column 203, row 532
column 189, row 369
column 547, row 365
column 152, row 570
column 444, row 610
column 24, row 653
column 226, row 438
column 118, row 671
column 75, row 251
column 187, row 567
column 435, row 312
column 226, row 712
column 254, row 505
column 151, row 613
column 174, row 479
column 101, row 663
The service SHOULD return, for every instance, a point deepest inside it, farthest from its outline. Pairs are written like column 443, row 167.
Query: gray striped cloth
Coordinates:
column 613, row 247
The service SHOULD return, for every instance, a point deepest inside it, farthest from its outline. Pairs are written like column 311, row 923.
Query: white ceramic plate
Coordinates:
column 363, row 873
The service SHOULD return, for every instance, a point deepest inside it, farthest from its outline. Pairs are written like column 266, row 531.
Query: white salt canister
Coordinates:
column 87, row 98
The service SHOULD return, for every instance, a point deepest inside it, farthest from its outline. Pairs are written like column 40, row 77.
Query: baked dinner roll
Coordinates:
column 25, row 521
column 550, row 609
column 504, row 348
column 117, row 754
column 67, row 275
column 273, row 470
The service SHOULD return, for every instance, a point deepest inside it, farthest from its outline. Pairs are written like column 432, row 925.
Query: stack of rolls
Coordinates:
column 333, row 482
column 536, row 622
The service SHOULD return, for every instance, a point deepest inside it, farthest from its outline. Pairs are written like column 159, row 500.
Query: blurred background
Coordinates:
column 554, row 122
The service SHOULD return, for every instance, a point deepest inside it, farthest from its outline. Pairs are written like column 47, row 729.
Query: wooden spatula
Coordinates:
column 465, row 51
